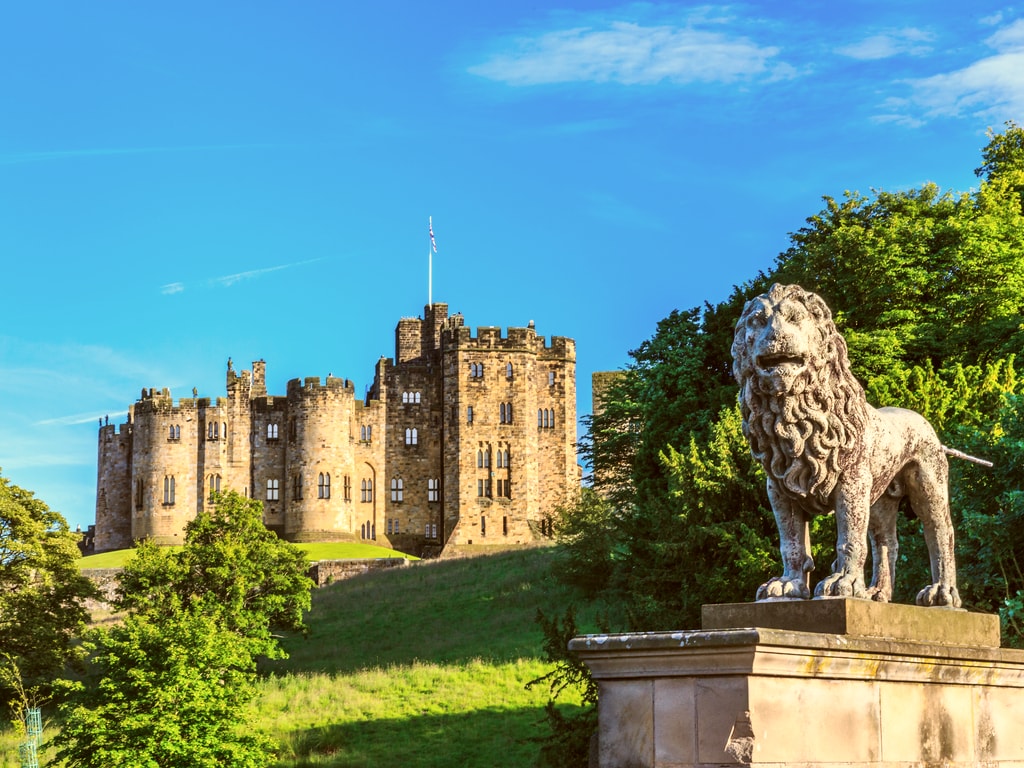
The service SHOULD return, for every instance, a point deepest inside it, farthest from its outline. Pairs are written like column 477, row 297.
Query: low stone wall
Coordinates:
column 322, row 572
column 325, row 572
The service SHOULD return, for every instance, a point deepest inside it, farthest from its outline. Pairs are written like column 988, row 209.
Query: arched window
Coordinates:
column 507, row 464
column 366, row 491
column 323, row 486
column 271, row 431
column 168, row 489
column 540, row 417
column 214, row 485
column 508, row 370
column 397, row 489
column 411, row 436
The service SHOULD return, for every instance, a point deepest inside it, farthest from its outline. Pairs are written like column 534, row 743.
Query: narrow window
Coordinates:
column 551, row 378
column 397, row 489
column 411, row 436
column 416, row 395
column 487, row 458
column 507, row 463
column 469, row 414
column 480, row 488
column 273, row 490
column 138, row 493
column 432, row 489
column 213, row 481
column 271, row 431
column 498, row 460
column 323, row 486
column 483, row 525
column 168, row 489
column 540, row 418
column 433, row 530
column 508, row 370
column 297, row 487
column 504, row 525
column 480, row 459
column 348, row 488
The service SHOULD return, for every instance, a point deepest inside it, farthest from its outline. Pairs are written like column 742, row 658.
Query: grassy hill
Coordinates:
column 420, row 666
column 334, row 550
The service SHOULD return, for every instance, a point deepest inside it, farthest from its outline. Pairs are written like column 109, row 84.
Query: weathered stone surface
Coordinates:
column 789, row 698
column 825, row 450
column 406, row 465
column 865, row 618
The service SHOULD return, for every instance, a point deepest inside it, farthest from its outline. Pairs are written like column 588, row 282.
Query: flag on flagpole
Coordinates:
column 430, row 227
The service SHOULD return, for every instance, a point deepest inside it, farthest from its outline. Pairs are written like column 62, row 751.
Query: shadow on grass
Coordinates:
column 449, row 611
column 479, row 739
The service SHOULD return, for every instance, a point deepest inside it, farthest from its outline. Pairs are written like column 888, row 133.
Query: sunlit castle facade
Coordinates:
column 462, row 439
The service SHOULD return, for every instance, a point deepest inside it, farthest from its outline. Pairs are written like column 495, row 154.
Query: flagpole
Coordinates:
column 430, row 261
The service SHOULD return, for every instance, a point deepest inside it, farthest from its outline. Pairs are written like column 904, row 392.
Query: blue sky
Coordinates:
column 181, row 183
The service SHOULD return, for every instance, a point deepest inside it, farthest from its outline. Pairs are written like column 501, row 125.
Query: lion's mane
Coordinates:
column 804, row 440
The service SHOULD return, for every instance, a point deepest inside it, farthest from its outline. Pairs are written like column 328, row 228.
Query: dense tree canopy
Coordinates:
column 170, row 686
column 928, row 289
column 42, row 594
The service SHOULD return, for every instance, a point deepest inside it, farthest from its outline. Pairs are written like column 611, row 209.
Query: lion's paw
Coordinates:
column 879, row 595
column 779, row 587
column 841, row 585
column 939, row 594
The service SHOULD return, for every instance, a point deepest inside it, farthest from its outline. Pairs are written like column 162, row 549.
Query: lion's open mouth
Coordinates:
column 766, row 362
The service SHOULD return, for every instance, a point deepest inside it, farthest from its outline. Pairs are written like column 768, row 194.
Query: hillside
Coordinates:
column 419, row 666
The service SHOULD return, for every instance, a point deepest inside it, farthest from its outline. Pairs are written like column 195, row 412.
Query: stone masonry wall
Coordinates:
column 465, row 439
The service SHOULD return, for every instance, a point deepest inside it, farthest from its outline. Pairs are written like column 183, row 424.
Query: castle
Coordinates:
column 461, row 439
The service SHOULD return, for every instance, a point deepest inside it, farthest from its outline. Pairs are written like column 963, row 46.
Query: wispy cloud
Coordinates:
column 909, row 41
column 991, row 87
column 77, row 418
column 14, row 158
column 632, row 53
column 226, row 281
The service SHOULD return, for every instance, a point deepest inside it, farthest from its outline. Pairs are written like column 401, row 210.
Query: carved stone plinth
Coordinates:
column 773, row 695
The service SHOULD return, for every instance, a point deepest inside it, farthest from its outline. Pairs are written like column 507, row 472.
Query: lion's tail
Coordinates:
column 966, row 457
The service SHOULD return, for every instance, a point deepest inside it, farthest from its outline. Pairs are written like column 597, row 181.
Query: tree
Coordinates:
column 42, row 594
column 172, row 684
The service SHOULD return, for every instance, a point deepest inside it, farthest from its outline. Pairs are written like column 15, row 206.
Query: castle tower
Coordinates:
column 165, row 466
column 113, row 488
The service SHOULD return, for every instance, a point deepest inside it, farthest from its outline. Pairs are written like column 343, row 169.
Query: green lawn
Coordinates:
column 335, row 550
column 423, row 667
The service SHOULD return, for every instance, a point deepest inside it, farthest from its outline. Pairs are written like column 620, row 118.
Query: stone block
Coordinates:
column 861, row 618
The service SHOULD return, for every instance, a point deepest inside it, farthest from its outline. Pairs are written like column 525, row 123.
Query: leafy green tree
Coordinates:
column 171, row 686
column 42, row 594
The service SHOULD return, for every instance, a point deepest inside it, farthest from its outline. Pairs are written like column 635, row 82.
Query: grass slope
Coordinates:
column 423, row 666
column 334, row 550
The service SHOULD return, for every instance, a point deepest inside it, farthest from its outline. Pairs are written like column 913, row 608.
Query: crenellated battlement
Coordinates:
column 396, row 465
column 492, row 338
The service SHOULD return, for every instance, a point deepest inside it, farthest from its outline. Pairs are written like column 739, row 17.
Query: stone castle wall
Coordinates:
column 462, row 438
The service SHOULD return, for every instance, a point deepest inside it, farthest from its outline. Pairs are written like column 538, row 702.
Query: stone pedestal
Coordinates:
column 875, row 685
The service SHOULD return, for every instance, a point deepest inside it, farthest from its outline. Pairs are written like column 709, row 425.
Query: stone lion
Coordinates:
column 825, row 449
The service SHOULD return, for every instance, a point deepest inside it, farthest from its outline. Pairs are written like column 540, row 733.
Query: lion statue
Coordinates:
column 825, row 449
